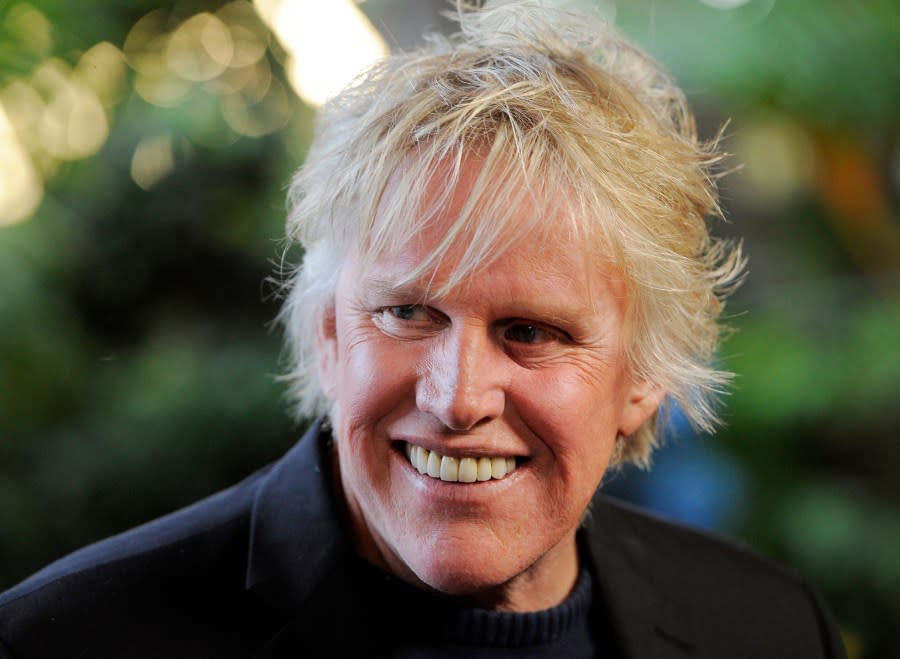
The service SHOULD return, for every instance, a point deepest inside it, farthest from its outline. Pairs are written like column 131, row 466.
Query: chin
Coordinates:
column 461, row 582
column 460, row 569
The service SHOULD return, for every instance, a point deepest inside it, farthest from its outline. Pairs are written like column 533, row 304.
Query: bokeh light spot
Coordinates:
column 779, row 159
column 248, row 34
column 146, row 43
column 248, row 47
column 24, row 109
column 328, row 44
column 260, row 79
column 235, row 79
column 102, row 69
column 200, row 49
column 153, row 160
column 73, row 125
column 255, row 119
column 163, row 91
column 31, row 27
column 21, row 189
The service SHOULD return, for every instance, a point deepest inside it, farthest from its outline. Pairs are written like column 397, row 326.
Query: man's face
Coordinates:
column 524, row 363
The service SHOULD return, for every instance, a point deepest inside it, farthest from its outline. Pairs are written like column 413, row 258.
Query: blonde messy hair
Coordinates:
column 552, row 100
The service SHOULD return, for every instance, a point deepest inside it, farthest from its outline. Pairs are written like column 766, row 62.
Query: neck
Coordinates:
column 543, row 585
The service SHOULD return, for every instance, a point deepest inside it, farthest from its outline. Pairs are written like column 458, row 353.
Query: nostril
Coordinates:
column 457, row 423
column 459, row 406
column 461, row 387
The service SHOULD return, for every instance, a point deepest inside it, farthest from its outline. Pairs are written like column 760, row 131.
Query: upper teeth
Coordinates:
column 462, row 470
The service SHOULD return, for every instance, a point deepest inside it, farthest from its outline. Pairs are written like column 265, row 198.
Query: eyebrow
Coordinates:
column 550, row 311
column 386, row 288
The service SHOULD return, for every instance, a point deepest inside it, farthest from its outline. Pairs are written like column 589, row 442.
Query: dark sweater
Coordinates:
column 427, row 625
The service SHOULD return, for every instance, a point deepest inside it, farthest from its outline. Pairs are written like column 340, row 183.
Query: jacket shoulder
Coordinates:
column 170, row 574
column 737, row 599
column 681, row 550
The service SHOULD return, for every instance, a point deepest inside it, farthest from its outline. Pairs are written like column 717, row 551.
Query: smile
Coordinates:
column 458, row 470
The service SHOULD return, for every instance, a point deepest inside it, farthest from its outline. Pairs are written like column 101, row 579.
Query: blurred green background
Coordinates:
column 144, row 152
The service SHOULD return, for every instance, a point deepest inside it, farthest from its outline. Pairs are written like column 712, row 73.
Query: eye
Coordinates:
column 410, row 312
column 530, row 334
column 408, row 321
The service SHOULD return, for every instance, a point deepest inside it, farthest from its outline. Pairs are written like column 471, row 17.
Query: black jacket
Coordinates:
column 264, row 569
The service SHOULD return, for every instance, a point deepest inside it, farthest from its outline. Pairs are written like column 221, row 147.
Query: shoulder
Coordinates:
column 732, row 594
column 172, row 572
column 673, row 546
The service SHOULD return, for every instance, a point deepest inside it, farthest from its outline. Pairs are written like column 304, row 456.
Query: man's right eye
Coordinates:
column 410, row 312
column 409, row 320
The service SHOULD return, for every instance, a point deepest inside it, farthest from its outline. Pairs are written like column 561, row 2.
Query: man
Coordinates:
column 507, row 269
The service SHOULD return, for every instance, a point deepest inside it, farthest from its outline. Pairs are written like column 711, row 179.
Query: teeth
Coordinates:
column 421, row 456
column 498, row 467
column 434, row 464
column 468, row 470
column 484, row 469
column 458, row 470
column 449, row 469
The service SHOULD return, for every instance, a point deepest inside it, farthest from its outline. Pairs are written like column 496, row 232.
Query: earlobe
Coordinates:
column 644, row 398
column 326, row 347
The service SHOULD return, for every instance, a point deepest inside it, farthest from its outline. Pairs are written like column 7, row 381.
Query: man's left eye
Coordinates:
column 527, row 333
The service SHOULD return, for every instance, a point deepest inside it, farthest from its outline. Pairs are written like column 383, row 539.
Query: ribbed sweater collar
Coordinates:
column 471, row 626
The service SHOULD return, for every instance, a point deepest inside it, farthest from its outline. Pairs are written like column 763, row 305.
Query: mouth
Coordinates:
column 465, row 469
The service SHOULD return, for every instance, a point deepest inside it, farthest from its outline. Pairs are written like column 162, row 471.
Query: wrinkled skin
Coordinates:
column 525, row 359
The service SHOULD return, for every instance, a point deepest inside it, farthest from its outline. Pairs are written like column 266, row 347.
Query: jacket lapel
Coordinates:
column 302, row 565
column 296, row 543
column 648, row 622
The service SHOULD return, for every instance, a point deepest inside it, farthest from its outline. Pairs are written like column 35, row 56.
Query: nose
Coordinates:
column 462, row 381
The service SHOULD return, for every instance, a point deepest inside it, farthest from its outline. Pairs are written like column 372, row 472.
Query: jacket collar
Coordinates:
column 296, row 539
column 648, row 620
column 302, row 564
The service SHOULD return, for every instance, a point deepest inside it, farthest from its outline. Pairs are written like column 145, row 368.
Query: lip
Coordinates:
column 457, row 450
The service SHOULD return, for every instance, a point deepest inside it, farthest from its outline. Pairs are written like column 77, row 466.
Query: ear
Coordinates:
column 326, row 349
column 643, row 399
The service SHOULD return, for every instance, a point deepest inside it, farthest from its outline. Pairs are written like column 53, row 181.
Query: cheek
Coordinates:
column 569, row 404
column 374, row 376
column 576, row 420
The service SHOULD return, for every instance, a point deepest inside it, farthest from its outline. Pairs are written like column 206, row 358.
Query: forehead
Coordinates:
column 444, row 220
column 536, row 260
